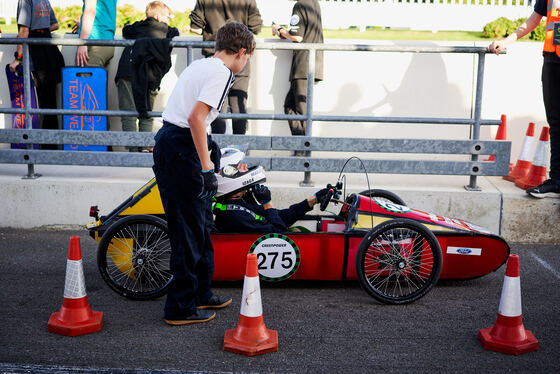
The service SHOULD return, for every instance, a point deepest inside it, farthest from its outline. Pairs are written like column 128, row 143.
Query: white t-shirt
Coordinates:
column 207, row 80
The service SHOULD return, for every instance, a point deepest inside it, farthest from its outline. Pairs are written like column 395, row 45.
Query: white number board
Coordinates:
column 277, row 255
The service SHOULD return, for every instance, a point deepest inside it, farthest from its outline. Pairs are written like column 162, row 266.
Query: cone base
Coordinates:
column 58, row 326
column 513, row 348
column 524, row 183
column 510, row 178
column 234, row 345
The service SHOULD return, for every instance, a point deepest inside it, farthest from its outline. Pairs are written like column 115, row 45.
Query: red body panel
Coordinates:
column 322, row 255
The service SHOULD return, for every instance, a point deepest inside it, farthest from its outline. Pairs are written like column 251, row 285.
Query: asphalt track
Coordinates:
column 323, row 327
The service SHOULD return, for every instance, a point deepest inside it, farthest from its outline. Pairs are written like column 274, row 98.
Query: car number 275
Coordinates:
column 270, row 260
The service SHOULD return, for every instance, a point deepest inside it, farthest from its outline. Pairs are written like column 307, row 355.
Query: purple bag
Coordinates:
column 15, row 84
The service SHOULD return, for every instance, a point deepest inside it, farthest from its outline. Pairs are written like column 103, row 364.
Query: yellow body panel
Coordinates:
column 120, row 251
column 364, row 222
column 149, row 204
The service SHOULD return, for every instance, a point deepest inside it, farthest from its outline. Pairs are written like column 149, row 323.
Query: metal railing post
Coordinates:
column 477, row 112
column 309, row 112
column 27, row 103
column 189, row 55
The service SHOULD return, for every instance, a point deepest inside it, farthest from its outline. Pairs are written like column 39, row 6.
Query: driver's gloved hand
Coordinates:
column 261, row 193
column 320, row 195
column 209, row 184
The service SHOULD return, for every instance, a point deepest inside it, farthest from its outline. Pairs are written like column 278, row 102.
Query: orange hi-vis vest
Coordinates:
column 552, row 21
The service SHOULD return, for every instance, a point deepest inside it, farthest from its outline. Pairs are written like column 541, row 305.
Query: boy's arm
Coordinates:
column 53, row 21
column 526, row 27
column 198, row 20
column 254, row 22
column 23, row 33
column 88, row 17
column 197, row 123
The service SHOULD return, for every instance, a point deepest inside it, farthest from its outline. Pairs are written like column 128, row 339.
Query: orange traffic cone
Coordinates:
column 508, row 334
column 501, row 134
column 75, row 317
column 251, row 337
column 523, row 164
column 537, row 172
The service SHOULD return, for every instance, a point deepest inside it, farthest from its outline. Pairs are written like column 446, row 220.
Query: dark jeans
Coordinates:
column 237, row 103
column 189, row 219
column 45, row 87
column 126, row 102
column 551, row 95
column 296, row 103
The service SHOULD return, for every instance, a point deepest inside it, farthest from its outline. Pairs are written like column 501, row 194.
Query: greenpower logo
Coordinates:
column 391, row 207
column 278, row 257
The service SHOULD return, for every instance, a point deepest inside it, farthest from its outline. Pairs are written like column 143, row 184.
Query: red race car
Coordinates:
column 396, row 253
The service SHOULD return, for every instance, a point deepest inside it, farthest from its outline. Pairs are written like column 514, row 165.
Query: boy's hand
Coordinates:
column 261, row 194
column 209, row 184
column 13, row 65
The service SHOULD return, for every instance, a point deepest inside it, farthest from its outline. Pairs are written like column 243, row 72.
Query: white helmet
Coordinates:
column 230, row 179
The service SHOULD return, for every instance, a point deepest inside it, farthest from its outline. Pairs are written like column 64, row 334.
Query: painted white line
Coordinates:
column 546, row 265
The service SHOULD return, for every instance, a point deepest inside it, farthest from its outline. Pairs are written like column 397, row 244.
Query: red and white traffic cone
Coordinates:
column 523, row 164
column 537, row 172
column 75, row 317
column 501, row 134
column 508, row 335
column 251, row 337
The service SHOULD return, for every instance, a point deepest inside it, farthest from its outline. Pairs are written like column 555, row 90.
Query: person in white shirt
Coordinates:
column 184, row 170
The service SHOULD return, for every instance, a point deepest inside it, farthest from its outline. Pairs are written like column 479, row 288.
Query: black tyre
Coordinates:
column 398, row 261
column 384, row 194
column 133, row 257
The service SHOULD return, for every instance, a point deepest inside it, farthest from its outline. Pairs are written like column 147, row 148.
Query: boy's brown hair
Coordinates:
column 156, row 7
column 233, row 36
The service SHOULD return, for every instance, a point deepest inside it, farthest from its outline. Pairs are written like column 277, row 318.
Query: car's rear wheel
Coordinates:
column 133, row 257
column 398, row 261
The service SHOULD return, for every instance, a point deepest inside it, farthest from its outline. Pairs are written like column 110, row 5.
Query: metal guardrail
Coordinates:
column 307, row 164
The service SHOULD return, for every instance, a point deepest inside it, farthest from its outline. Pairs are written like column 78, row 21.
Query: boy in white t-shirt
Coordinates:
column 185, row 170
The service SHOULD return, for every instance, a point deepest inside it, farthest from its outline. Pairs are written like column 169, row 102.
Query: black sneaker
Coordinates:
column 199, row 316
column 216, row 302
column 549, row 188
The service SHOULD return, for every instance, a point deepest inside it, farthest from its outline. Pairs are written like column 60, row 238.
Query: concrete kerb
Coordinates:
column 63, row 195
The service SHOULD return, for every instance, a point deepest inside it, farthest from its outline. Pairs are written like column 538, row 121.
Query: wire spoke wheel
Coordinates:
column 133, row 257
column 398, row 261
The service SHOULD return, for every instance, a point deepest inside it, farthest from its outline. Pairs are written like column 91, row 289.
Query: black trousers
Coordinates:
column 551, row 95
column 237, row 103
column 178, row 173
column 45, row 87
column 296, row 103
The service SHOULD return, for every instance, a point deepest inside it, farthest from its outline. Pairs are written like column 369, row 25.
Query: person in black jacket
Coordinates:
column 206, row 18
column 251, row 210
column 141, row 67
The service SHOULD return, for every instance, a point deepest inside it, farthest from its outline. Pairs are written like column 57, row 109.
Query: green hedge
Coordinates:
column 126, row 14
column 503, row 27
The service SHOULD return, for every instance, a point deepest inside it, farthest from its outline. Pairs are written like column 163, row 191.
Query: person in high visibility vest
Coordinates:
column 550, row 81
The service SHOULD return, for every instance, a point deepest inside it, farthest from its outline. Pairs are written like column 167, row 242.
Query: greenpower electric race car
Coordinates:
column 395, row 252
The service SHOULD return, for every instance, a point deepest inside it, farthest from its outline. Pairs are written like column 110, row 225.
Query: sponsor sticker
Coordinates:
column 391, row 207
column 277, row 255
column 464, row 251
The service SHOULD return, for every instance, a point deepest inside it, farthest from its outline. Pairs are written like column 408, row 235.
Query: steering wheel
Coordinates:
column 325, row 201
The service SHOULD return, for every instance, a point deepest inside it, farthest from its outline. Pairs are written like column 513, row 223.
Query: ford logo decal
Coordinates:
column 463, row 251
